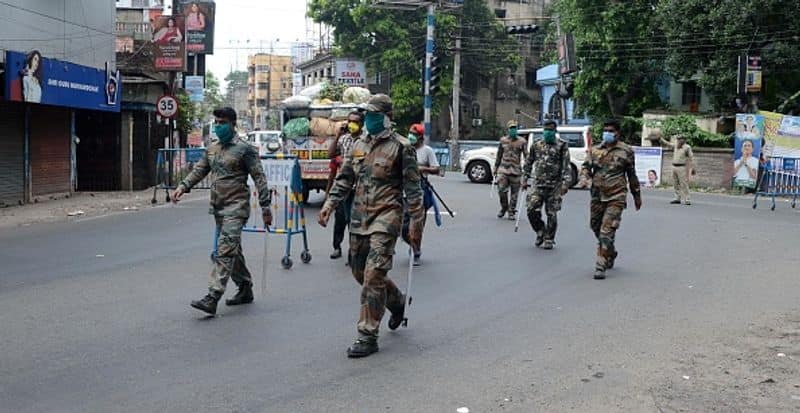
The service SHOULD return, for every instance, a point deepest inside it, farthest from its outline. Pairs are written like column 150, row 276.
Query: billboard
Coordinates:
column 648, row 165
column 749, row 134
column 169, row 43
column 351, row 72
column 194, row 87
column 782, row 135
column 199, row 18
column 36, row 79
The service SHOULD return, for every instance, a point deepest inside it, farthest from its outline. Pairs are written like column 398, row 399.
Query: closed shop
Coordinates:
column 49, row 150
column 12, row 154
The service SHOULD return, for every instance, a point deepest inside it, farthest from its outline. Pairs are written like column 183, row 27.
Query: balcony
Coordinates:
column 139, row 31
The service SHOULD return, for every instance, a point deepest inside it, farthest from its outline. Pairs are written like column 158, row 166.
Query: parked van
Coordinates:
column 477, row 164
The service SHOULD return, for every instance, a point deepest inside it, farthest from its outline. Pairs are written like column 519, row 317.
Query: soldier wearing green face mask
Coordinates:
column 508, row 168
column 549, row 161
column 230, row 160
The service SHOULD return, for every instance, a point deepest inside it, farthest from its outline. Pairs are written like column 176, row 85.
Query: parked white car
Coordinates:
column 267, row 142
column 478, row 164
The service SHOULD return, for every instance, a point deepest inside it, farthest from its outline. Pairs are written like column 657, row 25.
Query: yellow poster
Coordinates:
column 778, row 144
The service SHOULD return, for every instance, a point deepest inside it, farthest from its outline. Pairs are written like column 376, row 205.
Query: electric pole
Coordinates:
column 455, row 128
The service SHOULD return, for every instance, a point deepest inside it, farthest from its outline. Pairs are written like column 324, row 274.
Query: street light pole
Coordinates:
column 428, row 57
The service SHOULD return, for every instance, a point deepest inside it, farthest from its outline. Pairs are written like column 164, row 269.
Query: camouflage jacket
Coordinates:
column 380, row 169
column 608, row 168
column 509, row 156
column 229, row 166
column 550, row 164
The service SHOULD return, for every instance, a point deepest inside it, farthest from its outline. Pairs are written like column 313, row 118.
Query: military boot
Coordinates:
column 548, row 244
column 502, row 213
column 244, row 296
column 512, row 216
column 207, row 303
column 539, row 239
column 398, row 314
column 363, row 347
column 599, row 274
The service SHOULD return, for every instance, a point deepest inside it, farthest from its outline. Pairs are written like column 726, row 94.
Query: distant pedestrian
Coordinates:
column 428, row 165
column 231, row 160
column 508, row 168
column 682, row 167
column 549, row 160
column 381, row 168
column 611, row 166
column 337, row 152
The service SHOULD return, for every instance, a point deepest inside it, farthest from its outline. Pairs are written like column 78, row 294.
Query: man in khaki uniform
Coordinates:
column 682, row 166
column 508, row 169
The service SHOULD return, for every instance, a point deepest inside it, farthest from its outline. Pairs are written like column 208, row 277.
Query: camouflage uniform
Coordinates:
column 551, row 173
column 380, row 169
column 230, row 164
column 508, row 167
column 611, row 170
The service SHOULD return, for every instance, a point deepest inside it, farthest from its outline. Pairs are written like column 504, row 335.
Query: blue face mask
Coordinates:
column 609, row 137
column 512, row 133
column 224, row 132
column 374, row 122
column 412, row 138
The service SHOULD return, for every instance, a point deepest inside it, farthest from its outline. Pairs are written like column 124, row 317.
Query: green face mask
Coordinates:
column 512, row 133
column 412, row 138
column 374, row 122
column 224, row 132
column 549, row 136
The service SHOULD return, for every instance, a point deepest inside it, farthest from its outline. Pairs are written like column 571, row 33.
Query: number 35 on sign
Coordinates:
column 167, row 106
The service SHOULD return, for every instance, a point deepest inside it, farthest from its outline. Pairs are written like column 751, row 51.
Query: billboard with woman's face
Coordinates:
column 170, row 43
column 749, row 134
column 199, row 16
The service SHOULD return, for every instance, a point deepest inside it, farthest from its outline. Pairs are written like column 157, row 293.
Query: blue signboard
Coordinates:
column 35, row 79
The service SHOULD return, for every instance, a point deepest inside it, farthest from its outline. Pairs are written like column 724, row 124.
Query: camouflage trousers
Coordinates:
column 504, row 183
column 550, row 198
column 230, row 261
column 371, row 259
column 605, row 218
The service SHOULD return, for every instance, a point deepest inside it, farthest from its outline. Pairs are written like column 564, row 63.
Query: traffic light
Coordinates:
column 522, row 29
column 436, row 74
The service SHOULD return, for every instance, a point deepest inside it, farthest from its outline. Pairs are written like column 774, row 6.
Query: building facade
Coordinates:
column 321, row 68
column 59, row 130
column 269, row 83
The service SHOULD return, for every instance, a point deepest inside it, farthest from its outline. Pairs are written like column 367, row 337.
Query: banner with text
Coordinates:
column 170, row 43
column 199, row 17
column 351, row 72
column 32, row 78
column 648, row 165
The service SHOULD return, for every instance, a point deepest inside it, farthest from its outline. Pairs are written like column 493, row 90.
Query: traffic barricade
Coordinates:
column 781, row 178
column 173, row 165
column 288, row 214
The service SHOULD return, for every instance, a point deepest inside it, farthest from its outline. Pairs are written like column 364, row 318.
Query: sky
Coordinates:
column 259, row 21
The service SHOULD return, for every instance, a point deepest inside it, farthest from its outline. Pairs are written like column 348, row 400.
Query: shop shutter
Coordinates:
column 12, row 154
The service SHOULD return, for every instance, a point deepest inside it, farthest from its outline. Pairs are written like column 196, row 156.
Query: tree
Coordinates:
column 234, row 79
column 704, row 37
column 212, row 99
column 392, row 43
column 615, row 77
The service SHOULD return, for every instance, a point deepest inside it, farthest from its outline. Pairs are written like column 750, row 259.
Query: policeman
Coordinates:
column 507, row 167
column 231, row 160
column 612, row 168
column 682, row 167
column 382, row 166
column 549, row 159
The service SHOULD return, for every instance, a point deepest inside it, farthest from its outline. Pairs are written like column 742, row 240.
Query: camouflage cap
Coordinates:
column 680, row 137
column 379, row 103
column 511, row 124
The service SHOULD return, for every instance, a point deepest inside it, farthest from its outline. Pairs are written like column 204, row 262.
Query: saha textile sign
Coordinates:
column 30, row 77
column 351, row 72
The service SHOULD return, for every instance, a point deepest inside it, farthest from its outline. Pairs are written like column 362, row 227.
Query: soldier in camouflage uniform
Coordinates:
column 507, row 168
column 380, row 168
column 549, row 159
column 230, row 160
column 612, row 168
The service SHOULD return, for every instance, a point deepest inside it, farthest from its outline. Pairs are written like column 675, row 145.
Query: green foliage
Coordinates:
column 212, row 100
column 332, row 91
column 234, row 79
column 187, row 113
column 392, row 42
column 613, row 80
column 490, row 129
column 686, row 125
column 706, row 37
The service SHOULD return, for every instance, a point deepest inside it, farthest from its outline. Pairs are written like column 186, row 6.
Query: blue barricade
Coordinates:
column 173, row 165
column 781, row 178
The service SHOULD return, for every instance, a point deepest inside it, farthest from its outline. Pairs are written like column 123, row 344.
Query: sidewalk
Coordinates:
column 86, row 204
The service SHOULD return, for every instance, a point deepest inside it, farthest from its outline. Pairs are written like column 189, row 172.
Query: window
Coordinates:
column 691, row 93
column 284, row 68
column 262, row 85
column 574, row 139
column 262, row 68
column 261, row 103
column 500, row 13
column 530, row 79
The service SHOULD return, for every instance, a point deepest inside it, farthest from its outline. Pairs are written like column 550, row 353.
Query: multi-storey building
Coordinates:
column 269, row 82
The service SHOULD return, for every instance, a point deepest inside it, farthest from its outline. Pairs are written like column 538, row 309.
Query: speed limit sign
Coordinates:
column 167, row 106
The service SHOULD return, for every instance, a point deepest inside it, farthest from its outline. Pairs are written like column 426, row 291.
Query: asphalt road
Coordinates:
column 95, row 314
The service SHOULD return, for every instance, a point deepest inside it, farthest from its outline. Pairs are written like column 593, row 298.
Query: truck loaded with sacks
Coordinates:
column 310, row 126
